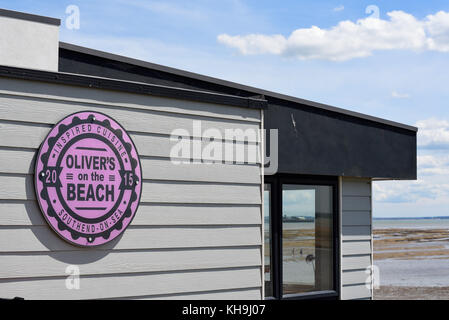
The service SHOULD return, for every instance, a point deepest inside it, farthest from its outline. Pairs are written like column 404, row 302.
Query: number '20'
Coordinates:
column 51, row 176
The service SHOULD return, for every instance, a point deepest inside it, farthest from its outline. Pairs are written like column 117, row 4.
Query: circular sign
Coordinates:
column 88, row 179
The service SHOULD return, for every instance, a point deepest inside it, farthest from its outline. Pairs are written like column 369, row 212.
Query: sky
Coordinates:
column 383, row 58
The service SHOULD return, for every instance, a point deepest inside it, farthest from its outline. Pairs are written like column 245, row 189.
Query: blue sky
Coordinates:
column 393, row 66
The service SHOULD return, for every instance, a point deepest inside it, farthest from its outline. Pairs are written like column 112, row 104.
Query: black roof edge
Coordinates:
column 29, row 17
column 256, row 91
column 131, row 87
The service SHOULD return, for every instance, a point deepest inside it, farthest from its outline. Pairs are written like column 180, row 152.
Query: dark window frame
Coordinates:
column 276, row 182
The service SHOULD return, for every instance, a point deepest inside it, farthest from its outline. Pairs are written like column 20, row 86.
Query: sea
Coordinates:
column 419, row 223
column 421, row 271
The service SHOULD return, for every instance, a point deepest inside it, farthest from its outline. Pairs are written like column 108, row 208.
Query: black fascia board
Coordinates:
column 29, row 17
column 131, row 87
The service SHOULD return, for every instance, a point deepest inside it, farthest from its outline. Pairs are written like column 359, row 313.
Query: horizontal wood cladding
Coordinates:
column 241, row 294
column 356, row 292
column 117, row 286
column 41, row 238
column 27, row 213
column 356, row 245
column 356, row 262
column 159, row 126
column 354, row 277
column 53, row 264
column 22, row 188
column 153, row 169
column 61, row 98
column 14, row 134
column 197, row 233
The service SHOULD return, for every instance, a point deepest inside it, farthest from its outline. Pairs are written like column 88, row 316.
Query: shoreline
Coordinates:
column 413, row 262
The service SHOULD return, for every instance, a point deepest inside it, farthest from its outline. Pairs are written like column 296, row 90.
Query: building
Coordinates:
column 230, row 229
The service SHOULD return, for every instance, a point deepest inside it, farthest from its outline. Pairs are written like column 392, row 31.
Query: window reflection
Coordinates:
column 307, row 247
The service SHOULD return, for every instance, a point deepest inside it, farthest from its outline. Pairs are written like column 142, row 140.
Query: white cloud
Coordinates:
column 348, row 40
column 410, row 191
column 339, row 8
column 434, row 164
column 433, row 134
column 298, row 203
column 432, row 161
column 398, row 95
column 437, row 27
column 255, row 43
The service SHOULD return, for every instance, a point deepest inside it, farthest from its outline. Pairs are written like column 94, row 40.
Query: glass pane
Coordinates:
column 307, row 245
column 267, row 241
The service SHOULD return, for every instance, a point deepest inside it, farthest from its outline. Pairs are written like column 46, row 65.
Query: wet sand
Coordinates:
column 413, row 263
column 411, row 293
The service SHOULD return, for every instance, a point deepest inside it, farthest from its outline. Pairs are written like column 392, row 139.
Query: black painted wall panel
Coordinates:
column 322, row 143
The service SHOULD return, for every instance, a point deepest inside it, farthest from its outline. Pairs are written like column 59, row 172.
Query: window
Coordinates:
column 300, row 236
column 306, row 238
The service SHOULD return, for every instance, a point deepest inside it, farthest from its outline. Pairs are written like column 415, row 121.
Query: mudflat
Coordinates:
column 413, row 263
column 411, row 293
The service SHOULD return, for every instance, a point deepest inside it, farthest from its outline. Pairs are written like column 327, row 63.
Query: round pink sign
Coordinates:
column 88, row 179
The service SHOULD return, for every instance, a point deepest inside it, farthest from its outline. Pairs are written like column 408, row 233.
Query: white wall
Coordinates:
column 28, row 44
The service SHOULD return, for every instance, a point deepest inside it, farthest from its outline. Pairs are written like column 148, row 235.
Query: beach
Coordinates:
column 412, row 258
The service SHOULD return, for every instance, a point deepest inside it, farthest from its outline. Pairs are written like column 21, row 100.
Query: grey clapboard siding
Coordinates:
column 197, row 233
column 27, row 213
column 359, row 292
column 98, row 287
column 137, row 120
column 356, row 247
column 356, row 239
column 356, row 233
column 41, row 238
column 356, row 218
column 245, row 294
column 62, row 95
column 17, row 187
column 53, row 264
column 30, row 136
column 351, row 277
column 356, row 261
column 153, row 169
